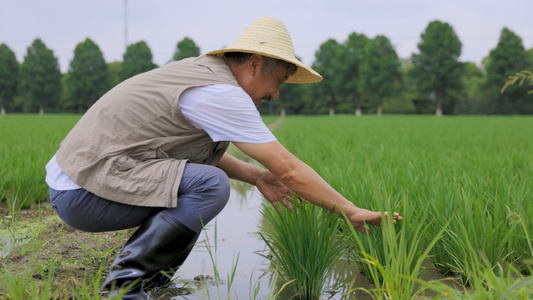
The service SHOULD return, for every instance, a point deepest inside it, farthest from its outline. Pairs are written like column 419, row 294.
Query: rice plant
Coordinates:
column 305, row 245
column 393, row 255
column 486, row 282
column 475, row 171
column 28, row 143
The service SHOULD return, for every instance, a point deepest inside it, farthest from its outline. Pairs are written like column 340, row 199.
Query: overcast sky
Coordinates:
column 62, row 24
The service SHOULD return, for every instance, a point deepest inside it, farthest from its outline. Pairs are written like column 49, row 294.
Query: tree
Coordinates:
column 406, row 95
column 437, row 70
column 291, row 98
column 88, row 77
column 328, row 62
column 40, row 77
column 354, row 51
column 136, row 60
column 529, row 57
column 507, row 59
column 186, row 48
column 472, row 94
column 9, row 76
column 115, row 72
column 380, row 71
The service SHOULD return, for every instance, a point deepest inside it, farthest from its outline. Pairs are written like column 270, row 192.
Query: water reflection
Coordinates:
column 237, row 244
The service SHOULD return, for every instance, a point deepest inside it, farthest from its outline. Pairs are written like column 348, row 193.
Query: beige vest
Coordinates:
column 131, row 146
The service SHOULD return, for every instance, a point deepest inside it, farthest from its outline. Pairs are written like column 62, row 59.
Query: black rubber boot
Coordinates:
column 155, row 246
column 163, row 278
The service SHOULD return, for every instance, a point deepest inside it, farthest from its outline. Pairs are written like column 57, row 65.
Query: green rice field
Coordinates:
column 464, row 185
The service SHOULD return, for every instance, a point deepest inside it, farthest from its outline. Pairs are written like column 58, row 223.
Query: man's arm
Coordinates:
column 238, row 169
column 268, row 184
column 308, row 184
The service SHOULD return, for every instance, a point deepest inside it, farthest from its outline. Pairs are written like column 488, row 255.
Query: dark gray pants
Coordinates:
column 204, row 191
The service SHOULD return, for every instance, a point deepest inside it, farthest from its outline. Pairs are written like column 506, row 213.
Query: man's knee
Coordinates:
column 209, row 181
column 219, row 180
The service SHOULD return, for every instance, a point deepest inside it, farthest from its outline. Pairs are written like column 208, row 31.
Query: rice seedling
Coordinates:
column 475, row 171
column 393, row 255
column 475, row 222
column 472, row 170
column 28, row 142
column 489, row 283
column 523, row 258
column 305, row 245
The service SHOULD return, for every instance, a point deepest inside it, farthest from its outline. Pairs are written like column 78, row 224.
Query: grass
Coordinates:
column 45, row 260
column 468, row 172
column 305, row 245
column 393, row 255
column 28, row 143
column 463, row 184
column 50, row 262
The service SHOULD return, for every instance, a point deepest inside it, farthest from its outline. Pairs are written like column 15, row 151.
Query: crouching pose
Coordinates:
column 151, row 153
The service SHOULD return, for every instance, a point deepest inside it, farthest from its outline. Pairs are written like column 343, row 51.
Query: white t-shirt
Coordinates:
column 224, row 111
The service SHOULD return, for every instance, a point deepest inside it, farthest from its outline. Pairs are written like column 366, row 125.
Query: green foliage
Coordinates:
column 88, row 76
column 305, row 245
column 64, row 104
column 529, row 58
column 291, row 98
column 504, row 283
column 28, row 143
column 474, row 171
column 186, row 48
column 40, row 77
column 392, row 257
column 380, row 71
column 436, row 70
column 137, row 59
column 353, row 57
column 327, row 63
column 115, row 68
column 507, row 59
column 432, row 80
column 24, row 286
column 408, row 99
column 9, row 75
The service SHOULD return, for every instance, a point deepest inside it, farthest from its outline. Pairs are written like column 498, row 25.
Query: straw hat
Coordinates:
column 269, row 37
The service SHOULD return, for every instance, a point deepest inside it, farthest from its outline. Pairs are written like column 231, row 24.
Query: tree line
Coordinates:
column 362, row 75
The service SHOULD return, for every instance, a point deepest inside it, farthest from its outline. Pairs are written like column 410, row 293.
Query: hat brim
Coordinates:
column 303, row 74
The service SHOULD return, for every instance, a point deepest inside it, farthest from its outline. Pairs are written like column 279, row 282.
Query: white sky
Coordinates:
column 62, row 24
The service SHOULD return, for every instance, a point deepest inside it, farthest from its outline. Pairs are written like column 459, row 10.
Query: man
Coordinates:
column 151, row 153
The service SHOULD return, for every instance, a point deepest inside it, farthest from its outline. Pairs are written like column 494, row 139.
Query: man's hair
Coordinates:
column 269, row 62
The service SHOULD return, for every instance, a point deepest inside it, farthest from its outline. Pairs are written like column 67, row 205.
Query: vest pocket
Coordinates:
column 206, row 154
column 141, row 166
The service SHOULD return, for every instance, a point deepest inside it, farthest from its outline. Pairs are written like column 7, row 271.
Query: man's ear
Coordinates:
column 255, row 64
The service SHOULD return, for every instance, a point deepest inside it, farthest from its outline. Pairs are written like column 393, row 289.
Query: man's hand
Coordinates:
column 274, row 190
column 362, row 216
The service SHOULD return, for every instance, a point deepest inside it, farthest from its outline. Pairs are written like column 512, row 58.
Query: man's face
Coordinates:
column 265, row 87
